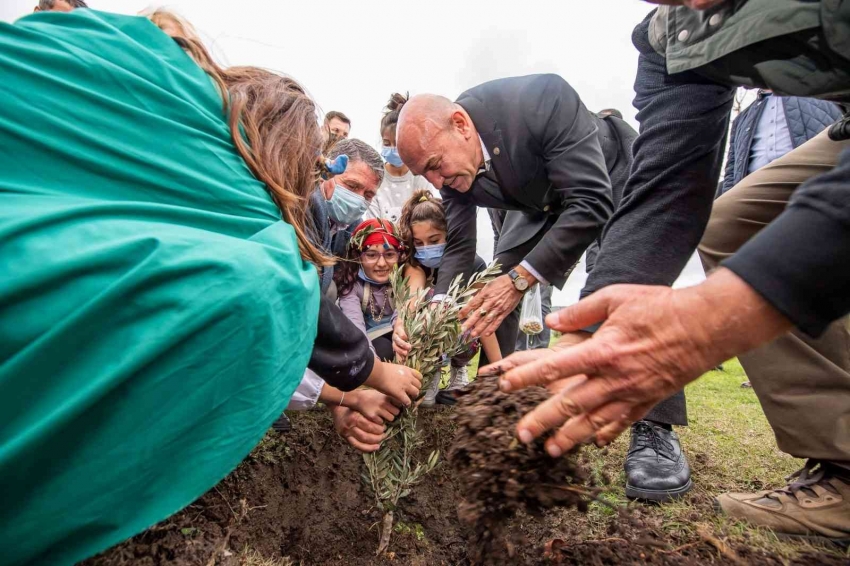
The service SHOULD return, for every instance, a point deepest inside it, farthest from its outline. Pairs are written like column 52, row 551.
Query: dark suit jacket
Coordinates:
column 545, row 159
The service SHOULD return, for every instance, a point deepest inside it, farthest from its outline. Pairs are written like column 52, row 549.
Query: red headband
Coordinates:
column 384, row 233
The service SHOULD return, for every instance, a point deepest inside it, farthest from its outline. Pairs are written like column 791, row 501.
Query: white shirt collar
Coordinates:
column 486, row 157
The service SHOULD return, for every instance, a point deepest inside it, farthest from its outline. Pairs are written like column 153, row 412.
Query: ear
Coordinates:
column 328, row 187
column 462, row 124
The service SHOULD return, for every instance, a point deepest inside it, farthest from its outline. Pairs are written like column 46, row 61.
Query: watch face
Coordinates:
column 521, row 283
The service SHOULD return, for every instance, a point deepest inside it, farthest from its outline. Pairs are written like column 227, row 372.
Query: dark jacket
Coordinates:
column 806, row 118
column 545, row 158
column 319, row 232
column 792, row 47
column 341, row 354
column 616, row 138
column 798, row 263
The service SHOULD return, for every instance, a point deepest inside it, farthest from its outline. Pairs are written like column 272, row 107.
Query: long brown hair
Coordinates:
column 422, row 206
column 274, row 125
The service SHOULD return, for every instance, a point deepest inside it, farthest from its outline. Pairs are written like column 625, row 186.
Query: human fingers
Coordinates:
column 607, row 434
column 390, row 408
column 366, row 426
column 584, row 427
column 414, row 384
column 482, row 318
column 493, row 320
column 548, row 415
column 361, row 446
column 587, row 312
column 583, row 358
column 473, row 305
column 514, row 360
column 400, row 343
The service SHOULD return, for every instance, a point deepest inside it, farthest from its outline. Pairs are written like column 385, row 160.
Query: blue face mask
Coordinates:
column 390, row 155
column 345, row 207
column 430, row 256
column 364, row 277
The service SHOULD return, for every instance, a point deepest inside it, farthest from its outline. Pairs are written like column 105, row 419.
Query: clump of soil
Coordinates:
column 299, row 499
column 500, row 477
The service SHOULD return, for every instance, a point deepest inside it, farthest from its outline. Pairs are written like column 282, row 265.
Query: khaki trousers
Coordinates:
column 803, row 384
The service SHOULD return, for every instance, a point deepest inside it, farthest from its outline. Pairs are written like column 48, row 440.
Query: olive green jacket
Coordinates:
column 794, row 47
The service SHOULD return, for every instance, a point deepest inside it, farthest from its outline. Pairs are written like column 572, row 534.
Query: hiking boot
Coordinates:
column 656, row 467
column 431, row 395
column 815, row 505
column 459, row 378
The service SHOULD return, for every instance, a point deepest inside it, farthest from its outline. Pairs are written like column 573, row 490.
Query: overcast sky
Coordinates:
column 352, row 55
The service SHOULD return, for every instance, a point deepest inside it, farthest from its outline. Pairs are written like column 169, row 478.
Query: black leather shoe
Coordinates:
column 282, row 424
column 656, row 467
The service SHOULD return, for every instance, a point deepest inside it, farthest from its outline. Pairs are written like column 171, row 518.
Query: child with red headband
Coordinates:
column 365, row 294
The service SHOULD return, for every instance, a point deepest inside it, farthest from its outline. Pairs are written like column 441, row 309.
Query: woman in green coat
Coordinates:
column 157, row 301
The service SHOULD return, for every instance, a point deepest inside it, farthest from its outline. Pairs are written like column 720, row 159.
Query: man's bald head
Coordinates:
column 423, row 114
column 436, row 138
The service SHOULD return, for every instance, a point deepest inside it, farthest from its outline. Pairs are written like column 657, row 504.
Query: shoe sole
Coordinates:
column 659, row 496
column 842, row 543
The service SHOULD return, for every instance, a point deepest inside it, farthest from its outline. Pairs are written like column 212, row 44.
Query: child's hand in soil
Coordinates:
column 401, row 346
column 373, row 405
column 401, row 384
column 357, row 430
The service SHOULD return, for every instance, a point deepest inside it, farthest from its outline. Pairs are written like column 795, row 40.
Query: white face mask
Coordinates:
column 346, row 207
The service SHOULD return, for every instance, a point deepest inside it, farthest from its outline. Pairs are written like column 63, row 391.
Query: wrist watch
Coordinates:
column 520, row 282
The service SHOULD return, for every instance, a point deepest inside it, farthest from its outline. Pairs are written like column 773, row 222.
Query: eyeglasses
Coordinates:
column 372, row 256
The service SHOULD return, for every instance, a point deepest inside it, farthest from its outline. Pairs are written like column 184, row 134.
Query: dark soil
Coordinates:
column 500, row 476
column 301, row 496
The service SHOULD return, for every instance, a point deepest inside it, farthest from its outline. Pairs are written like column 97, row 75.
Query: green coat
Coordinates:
column 794, row 47
column 155, row 313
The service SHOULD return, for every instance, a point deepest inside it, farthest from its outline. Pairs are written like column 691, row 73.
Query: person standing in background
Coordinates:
column 399, row 183
column 766, row 130
column 336, row 125
column 59, row 5
column 771, row 127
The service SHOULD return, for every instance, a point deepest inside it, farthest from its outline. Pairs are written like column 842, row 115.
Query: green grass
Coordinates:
column 730, row 447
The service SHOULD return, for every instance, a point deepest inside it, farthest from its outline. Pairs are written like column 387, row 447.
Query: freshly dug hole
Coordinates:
column 499, row 476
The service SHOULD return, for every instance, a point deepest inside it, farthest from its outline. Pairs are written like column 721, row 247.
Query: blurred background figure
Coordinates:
column 771, row 127
column 59, row 5
column 399, row 183
column 336, row 126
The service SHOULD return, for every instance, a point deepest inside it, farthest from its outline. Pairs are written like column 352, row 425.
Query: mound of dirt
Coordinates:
column 300, row 496
column 500, row 476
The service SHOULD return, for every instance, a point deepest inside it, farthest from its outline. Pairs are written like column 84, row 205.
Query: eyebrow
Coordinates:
column 431, row 163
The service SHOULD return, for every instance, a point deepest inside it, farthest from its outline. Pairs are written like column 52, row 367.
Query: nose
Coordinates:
column 382, row 260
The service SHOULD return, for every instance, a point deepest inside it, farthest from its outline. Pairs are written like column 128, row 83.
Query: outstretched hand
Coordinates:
column 489, row 307
column 654, row 340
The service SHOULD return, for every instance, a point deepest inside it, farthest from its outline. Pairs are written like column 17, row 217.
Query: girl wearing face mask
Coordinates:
column 365, row 294
column 423, row 230
column 399, row 183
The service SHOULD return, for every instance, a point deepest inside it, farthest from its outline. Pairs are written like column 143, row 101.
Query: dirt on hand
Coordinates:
column 500, row 477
